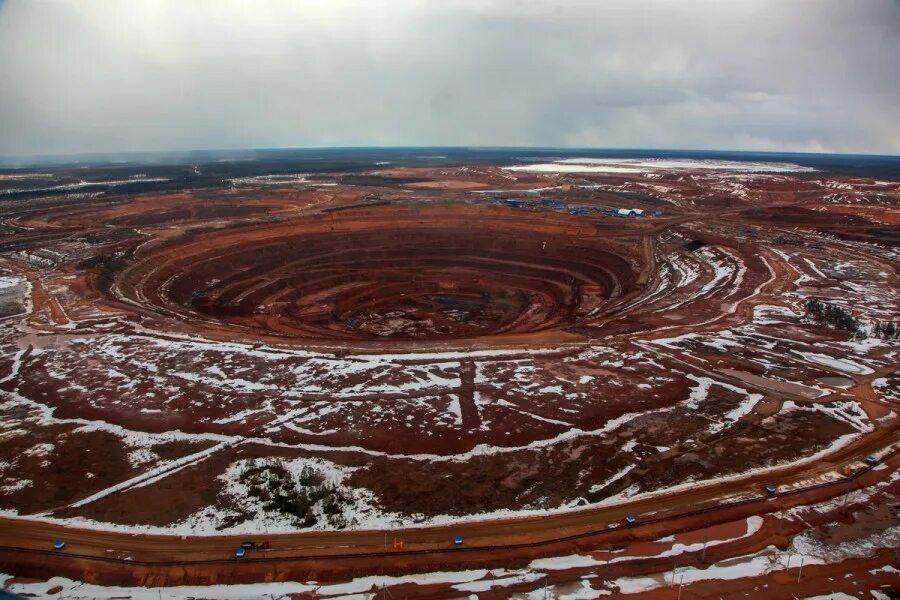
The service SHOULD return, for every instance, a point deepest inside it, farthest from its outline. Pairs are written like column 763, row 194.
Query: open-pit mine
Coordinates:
column 451, row 374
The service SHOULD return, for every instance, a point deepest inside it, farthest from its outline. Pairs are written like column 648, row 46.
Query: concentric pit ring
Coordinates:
column 386, row 274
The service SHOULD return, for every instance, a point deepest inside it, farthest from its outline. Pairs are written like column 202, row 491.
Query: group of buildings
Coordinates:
column 557, row 204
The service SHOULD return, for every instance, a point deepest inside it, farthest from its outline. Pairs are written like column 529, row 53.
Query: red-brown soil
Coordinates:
column 454, row 356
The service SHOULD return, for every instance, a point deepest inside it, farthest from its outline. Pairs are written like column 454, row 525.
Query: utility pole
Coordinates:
column 800, row 571
column 680, row 586
column 674, row 568
column 703, row 554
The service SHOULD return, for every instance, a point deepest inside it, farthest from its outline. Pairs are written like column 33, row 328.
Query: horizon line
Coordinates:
column 8, row 158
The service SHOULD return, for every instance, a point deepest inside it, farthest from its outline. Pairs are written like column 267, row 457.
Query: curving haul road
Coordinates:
column 115, row 557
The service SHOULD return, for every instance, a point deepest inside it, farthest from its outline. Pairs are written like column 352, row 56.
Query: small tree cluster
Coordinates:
column 280, row 491
column 831, row 314
column 886, row 330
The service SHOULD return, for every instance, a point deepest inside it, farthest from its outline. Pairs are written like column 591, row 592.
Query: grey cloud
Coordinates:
column 83, row 76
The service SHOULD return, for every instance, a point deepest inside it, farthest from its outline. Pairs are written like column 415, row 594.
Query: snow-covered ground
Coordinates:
column 805, row 547
column 8, row 281
column 84, row 184
column 641, row 165
column 356, row 588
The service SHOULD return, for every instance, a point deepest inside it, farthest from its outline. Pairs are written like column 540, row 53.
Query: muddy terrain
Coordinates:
column 358, row 357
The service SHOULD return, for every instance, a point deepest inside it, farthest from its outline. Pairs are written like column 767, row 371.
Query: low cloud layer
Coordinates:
column 818, row 75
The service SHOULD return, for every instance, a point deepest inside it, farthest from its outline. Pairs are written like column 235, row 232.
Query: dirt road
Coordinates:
column 26, row 545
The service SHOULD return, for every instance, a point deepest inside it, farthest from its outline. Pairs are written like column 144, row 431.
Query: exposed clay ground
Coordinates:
column 451, row 362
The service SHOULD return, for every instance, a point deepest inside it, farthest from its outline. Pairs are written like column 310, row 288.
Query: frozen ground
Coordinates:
column 628, row 165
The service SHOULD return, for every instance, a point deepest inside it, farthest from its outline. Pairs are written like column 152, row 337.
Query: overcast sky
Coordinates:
column 93, row 76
